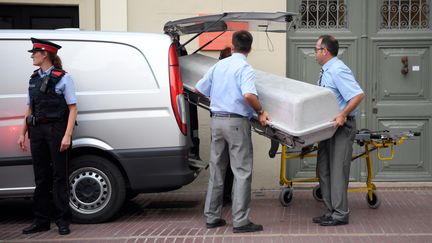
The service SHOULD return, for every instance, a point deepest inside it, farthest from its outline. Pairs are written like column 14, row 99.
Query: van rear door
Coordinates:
column 279, row 22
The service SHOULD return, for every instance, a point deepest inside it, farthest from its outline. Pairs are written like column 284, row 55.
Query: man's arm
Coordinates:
column 204, row 85
column 253, row 101
column 340, row 119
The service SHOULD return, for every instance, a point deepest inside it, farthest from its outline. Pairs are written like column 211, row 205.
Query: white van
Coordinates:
column 135, row 133
column 132, row 129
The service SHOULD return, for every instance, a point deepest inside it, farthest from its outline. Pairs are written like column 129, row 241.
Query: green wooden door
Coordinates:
column 399, row 75
column 372, row 47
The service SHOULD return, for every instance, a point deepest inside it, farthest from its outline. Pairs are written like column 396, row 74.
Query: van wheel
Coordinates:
column 97, row 189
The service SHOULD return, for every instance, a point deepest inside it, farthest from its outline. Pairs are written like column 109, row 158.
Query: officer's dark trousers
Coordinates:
column 51, row 197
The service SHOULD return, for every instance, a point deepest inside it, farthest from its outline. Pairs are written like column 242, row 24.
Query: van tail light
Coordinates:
column 176, row 89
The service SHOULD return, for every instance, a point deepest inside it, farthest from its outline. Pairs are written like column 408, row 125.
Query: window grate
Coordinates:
column 405, row 14
column 323, row 14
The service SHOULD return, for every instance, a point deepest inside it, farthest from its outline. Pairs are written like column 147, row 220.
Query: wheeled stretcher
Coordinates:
column 368, row 140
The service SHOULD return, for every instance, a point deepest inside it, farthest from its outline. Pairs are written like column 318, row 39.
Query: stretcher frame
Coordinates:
column 369, row 141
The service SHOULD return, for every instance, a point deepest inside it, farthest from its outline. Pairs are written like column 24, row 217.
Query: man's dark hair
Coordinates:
column 330, row 43
column 226, row 52
column 242, row 41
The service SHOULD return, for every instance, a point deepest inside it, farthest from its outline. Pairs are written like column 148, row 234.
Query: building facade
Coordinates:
column 387, row 44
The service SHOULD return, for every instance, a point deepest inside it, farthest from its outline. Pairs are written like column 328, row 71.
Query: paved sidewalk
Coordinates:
column 405, row 215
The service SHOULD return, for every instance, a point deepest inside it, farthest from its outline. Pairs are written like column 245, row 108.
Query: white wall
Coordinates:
column 113, row 15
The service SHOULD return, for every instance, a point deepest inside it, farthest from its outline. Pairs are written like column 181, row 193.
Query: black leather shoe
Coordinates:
column 251, row 227
column 63, row 229
column 319, row 219
column 332, row 222
column 217, row 223
column 33, row 228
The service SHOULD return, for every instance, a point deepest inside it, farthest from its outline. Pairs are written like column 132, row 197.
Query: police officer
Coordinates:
column 49, row 120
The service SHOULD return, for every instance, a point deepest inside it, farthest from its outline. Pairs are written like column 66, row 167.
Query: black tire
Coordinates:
column 316, row 193
column 97, row 189
column 286, row 196
column 375, row 202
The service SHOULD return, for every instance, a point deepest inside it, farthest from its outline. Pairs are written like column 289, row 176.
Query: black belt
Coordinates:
column 350, row 118
column 230, row 115
column 47, row 121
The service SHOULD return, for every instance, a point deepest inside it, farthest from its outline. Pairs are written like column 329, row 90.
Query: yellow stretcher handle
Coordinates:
column 387, row 144
column 380, row 157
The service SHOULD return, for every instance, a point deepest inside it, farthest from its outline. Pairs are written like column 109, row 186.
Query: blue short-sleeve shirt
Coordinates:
column 65, row 86
column 226, row 83
column 339, row 78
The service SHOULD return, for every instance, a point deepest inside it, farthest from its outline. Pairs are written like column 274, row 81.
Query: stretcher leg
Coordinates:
column 372, row 198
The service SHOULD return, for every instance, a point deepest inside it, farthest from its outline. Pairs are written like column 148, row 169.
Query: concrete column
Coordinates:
column 113, row 15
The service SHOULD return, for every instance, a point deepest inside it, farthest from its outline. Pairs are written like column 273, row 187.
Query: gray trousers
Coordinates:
column 334, row 162
column 235, row 134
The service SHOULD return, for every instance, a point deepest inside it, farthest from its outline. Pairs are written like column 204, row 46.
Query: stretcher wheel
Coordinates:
column 316, row 193
column 375, row 202
column 286, row 196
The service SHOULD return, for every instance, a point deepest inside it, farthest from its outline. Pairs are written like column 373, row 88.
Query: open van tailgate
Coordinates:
column 257, row 21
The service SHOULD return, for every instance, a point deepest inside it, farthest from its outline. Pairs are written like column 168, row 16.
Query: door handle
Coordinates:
column 404, row 69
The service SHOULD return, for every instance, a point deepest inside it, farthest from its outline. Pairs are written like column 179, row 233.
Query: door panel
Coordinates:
column 307, row 63
column 402, row 102
column 410, row 160
column 392, row 84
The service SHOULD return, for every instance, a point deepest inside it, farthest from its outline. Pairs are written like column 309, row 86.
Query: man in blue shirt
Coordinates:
column 334, row 154
column 230, row 84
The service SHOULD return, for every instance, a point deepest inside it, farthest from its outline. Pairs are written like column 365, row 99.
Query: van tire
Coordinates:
column 97, row 189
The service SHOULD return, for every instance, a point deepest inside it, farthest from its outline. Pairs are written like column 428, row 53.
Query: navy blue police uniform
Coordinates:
column 46, row 128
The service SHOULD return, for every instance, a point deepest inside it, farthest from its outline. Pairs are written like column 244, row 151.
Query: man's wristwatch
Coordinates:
column 260, row 112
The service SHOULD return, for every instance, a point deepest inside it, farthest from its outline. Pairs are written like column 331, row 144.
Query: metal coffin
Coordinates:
column 301, row 113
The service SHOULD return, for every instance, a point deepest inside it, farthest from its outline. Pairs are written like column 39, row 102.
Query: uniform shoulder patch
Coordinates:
column 58, row 73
